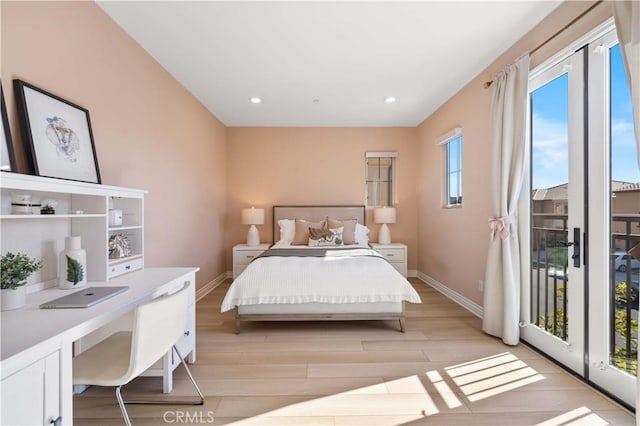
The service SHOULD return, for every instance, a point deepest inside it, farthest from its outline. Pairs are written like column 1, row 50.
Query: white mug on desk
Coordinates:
column 115, row 217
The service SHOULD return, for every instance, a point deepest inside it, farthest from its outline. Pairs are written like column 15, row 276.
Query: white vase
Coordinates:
column 13, row 299
column 73, row 264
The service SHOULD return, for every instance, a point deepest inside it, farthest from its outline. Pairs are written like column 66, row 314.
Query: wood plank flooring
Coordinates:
column 442, row 371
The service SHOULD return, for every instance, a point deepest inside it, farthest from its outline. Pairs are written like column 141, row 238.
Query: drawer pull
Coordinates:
column 56, row 422
column 250, row 257
column 390, row 255
column 186, row 333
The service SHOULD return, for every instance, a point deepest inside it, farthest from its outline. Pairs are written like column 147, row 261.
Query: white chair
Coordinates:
column 157, row 327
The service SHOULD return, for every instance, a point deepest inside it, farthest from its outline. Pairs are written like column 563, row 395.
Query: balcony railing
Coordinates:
column 549, row 281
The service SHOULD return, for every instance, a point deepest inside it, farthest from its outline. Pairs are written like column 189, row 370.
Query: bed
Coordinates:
column 326, row 273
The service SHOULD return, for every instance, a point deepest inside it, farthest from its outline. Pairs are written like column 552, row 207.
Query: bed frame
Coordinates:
column 322, row 311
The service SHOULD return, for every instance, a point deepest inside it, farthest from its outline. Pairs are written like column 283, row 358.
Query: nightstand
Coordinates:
column 244, row 254
column 395, row 253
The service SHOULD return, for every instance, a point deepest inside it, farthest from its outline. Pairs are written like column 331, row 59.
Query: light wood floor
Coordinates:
column 442, row 371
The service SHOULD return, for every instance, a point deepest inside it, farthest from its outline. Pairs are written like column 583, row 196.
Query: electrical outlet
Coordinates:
column 480, row 285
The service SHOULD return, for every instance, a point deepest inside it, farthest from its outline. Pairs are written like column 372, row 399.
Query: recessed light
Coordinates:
column 315, row 101
column 389, row 99
column 255, row 100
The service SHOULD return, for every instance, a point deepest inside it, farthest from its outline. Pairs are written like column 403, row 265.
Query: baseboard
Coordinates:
column 469, row 305
column 412, row 273
column 208, row 287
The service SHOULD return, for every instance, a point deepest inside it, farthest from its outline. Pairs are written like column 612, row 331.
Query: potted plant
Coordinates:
column 14, row 271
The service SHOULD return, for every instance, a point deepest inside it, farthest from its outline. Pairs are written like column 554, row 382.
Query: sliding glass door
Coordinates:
column 584, row 218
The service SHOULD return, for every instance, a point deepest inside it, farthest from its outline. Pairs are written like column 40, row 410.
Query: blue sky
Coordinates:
column 549, row 120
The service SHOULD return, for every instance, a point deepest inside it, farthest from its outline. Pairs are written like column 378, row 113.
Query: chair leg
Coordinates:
column 127, row 422
column 402, row 327
column 200, row 401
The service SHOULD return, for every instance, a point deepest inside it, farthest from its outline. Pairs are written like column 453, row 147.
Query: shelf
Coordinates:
column 50, row 216
column 124, row 228
column 124, row 259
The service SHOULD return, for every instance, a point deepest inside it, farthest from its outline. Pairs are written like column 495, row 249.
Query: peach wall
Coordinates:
column 453, row 243
column 149, row 132
column 268, row 166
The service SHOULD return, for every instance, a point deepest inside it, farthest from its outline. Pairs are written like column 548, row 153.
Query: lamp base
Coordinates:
column 253, row 238
column 384, row 236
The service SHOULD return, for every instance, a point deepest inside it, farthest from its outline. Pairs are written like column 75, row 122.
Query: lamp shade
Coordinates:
column 252, row 216
column 384, row 215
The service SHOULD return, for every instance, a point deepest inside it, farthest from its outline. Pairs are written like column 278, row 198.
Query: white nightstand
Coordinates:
column 244, row 254
column 395, row 253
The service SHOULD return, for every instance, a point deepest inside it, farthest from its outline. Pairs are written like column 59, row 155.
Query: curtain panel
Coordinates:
column 508, row 156
column 627, row 18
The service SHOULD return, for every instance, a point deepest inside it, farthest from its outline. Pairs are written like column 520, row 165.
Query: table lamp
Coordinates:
column 253, row 217
column 384, row 215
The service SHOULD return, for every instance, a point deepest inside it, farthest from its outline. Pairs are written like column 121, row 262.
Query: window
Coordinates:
column 380, row 176
column 452, row 147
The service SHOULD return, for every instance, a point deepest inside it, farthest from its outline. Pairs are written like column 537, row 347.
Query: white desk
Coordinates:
column 39, row 343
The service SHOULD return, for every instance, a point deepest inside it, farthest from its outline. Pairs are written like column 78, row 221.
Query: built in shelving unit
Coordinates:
column 81, row 209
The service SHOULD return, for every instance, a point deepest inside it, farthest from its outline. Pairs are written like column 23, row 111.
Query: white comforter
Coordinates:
column 336, row 278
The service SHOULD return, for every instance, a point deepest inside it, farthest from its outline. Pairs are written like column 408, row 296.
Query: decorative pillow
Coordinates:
column 362, row 235
column 349, row 225
column 287, row 230
column 322, row 237
column 301, row 237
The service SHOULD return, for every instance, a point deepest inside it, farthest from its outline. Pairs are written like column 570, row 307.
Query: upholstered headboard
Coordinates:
column 315, row 213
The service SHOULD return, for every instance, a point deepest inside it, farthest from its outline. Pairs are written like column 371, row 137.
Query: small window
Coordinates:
column 380, row 177
column 452, row 147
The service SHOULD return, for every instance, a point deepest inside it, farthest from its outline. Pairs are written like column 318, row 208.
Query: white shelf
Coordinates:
column 42, row 236
column 124, row 228
column 49, row 216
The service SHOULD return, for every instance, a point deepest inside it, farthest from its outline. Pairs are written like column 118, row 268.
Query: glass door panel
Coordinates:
column 556, row 288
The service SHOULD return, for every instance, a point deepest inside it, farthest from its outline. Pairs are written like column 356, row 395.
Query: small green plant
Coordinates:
column 16, row 268
column 75, row 272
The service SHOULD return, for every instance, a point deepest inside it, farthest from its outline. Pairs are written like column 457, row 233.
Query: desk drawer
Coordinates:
column 124, row 267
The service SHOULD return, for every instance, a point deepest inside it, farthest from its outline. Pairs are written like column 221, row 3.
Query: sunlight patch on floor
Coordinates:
column 492, row 376
column 444, row 390
column 579, row 416
column 412, row 400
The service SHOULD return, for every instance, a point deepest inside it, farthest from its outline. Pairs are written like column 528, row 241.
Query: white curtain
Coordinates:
column 627, row 17
column 509, row 153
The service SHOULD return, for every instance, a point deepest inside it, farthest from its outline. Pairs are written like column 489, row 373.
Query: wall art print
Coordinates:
column 7, row 156
column 58, row 133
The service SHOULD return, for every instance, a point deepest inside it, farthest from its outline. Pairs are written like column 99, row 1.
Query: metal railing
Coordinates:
column 624, row 274
column 549, row 273
column 549, row 281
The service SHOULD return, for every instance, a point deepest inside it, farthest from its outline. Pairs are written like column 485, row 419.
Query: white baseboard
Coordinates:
column 412, row 273
column 208, row 287
column 469, row 305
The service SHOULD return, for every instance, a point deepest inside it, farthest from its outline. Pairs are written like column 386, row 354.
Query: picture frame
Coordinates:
column 7, row 154
column 57, row 133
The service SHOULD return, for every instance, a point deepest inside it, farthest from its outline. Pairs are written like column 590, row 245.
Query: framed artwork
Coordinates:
column 7, row 155
column 58, row 133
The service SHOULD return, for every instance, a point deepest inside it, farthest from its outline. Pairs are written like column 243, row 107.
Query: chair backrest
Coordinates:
column 158, row 325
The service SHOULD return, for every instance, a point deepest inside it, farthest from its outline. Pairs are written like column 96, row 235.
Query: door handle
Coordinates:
column 576, row 247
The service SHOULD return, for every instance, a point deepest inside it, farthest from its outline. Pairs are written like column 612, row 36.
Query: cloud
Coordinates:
column 622, row 133
column 550, row 150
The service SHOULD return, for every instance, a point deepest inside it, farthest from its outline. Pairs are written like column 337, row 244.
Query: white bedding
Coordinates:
column 335, row 278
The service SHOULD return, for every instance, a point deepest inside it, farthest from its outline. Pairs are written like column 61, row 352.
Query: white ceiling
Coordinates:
column 348, row 56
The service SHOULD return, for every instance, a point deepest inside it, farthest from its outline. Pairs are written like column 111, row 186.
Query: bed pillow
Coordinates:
column 301, row 237
column 323, row 237
column 362, row 235
column 349, row 225
column 287, row 230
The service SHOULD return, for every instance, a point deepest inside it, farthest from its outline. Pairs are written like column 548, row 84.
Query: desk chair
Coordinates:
column 157, row 327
